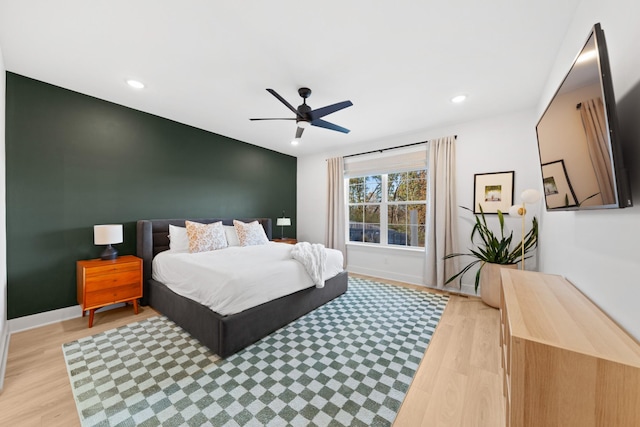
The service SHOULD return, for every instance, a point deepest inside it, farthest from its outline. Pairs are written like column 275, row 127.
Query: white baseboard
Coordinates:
column 466, row 289
column 33, row 321
column 4, row 352
column 388, row 275
column 24, row 323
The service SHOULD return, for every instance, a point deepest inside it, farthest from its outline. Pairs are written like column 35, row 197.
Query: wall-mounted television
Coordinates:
column 578, row 138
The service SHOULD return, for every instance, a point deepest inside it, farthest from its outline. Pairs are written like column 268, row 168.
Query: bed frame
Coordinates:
column 224, row 335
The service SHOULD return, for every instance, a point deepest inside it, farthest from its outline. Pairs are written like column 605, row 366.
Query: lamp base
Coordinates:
column 109, row 253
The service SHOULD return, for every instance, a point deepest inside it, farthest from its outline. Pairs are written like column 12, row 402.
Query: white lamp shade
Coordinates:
column 283, row 222
column 515, row 210
column 107, row 234
column 530, row 196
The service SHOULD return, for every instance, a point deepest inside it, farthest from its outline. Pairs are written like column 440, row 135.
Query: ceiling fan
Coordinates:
column 305, row 116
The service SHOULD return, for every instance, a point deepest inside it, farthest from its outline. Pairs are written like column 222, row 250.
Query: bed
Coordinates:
column 223, row 334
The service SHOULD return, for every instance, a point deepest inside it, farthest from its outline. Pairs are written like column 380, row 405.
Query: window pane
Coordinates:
column 356, row 214
column 373, row 189
column 372, row 233
column 396, row 191
column 397, row 214
column 372, row 213
column 356, row 190
column 356, row 233
column 417, row 189
column 397, row 235
column 416, row 235
column 419, row 174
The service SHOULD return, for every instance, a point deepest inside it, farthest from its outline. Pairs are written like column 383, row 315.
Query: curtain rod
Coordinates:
column 390, row 148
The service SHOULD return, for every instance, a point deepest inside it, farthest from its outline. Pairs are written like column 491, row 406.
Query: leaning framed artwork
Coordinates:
column 558, row 192
column 494, row 191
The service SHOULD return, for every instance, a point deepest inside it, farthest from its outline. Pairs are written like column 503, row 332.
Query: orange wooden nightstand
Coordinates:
column 101, row 283
column 286, row 240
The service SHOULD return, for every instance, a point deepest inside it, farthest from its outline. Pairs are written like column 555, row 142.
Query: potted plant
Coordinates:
column 492, row 252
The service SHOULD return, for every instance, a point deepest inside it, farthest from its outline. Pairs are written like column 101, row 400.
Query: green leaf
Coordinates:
column 487, row 247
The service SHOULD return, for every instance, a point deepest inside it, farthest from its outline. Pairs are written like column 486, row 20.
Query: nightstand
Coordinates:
column 288, row 240
column 101, row 283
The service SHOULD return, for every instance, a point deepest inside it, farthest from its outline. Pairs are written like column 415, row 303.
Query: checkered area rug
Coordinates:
column 347, row 363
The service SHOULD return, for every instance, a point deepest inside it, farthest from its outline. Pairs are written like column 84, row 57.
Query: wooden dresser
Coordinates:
column 565, row 362
column 101, row 283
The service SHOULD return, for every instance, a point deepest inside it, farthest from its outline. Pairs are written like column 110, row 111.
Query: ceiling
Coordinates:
column 207, row 63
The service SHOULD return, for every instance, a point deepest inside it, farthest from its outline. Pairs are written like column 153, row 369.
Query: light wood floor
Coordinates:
column 458, row 382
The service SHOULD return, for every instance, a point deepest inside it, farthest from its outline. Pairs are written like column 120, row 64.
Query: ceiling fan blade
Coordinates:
column 321, row 112
column 284, row 101
column 287, row 118
column 327, row 125
column 299, row 133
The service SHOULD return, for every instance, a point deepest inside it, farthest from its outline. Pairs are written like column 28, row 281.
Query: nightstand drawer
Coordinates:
column 94, row 283
column 107, row 269
column 113, row 295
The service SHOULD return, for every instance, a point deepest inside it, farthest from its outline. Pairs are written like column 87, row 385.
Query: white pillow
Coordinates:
column 250, row 234
column 232, row 236
column 178, row 240
column 205, row 237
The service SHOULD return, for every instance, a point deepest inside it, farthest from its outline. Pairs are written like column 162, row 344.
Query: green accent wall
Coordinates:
column 73, row 161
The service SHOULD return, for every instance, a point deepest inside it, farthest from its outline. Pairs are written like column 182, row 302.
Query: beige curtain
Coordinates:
column 593, row 120
column 442, row 234
column 335, row 227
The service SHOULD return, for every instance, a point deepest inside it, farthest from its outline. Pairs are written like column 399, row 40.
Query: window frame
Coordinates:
column 384, row 211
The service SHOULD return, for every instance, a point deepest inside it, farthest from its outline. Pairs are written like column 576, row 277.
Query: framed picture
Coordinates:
column 494, row 191
column 558, row 192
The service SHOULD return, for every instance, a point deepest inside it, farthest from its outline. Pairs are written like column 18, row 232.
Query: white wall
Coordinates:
column 4, row 330
column 496, row 144
column 598, row 250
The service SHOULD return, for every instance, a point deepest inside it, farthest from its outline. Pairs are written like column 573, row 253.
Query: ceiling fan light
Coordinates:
column 303, row 124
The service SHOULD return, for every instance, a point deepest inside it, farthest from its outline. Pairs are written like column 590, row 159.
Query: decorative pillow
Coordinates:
column 232, row 236
column 178, row 240
column 205, row 237
column 250, row 234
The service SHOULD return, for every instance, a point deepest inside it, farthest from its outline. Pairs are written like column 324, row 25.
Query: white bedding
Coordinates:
column 236, row 278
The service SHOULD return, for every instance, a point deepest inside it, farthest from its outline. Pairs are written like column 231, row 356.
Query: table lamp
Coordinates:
column 107, row 234
column 282, row 223
column 530, row 197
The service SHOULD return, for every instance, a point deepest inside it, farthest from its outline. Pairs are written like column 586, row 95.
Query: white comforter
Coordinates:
column 236, row 278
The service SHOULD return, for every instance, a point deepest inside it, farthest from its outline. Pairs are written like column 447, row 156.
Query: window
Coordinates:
column 388, row 208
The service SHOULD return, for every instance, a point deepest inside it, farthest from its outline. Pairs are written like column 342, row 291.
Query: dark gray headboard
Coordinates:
column 153, row 238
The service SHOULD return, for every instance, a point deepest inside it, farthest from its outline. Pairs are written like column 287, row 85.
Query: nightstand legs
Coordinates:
column 93, row 310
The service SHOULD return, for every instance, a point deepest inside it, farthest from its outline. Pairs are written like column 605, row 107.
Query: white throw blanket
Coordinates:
column 313, row 257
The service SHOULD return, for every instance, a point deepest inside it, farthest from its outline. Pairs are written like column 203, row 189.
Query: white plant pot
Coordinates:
column 490, row 283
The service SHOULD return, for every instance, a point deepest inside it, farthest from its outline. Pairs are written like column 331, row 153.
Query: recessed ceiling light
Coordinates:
column 459, row 98
column 135, row 84
column 295, row 141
